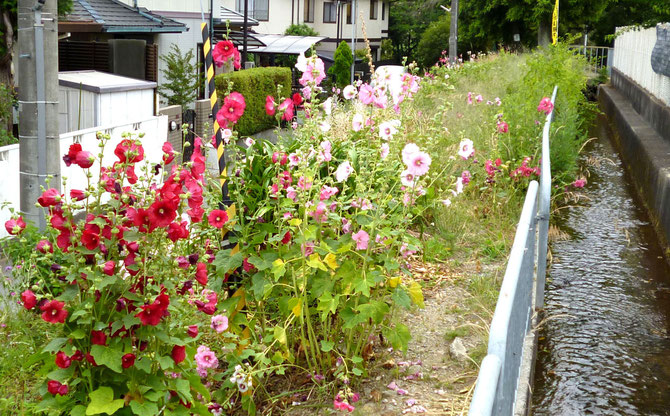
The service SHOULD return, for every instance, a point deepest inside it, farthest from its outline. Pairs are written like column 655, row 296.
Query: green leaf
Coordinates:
column 102, row 401
column 78, row 410
column 144, row 409
column 106, row 356
column 401, row 298
column 143, row 364
column 197, row 385
column 183, row 388
column 78, row 334
column 398, row 337
column 363, row 283
column 375, row 310
column 327, row 346
column 328, row 304
column 225, row 262
column 357, row 371
column 315, row 262
column 55, row 345
column 278, row 268
column 166, row 362
column 130, row 320
column 280, row 334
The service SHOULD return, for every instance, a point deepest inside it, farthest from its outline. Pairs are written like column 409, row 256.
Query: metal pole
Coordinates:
column 245, row 30
column 38, row 103
column 453, row 33
column 353, row 39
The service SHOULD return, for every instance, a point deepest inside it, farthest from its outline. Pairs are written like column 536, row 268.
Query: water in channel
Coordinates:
column 606, row 348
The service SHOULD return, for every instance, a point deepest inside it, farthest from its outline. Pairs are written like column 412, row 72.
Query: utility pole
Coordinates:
column 453, row 33
column 353, row 38
column 246, row 31
column 38, row 103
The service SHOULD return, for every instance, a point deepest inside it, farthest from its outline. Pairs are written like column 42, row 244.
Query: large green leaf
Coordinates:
column 102, row 401
column 398, row 337
column 109, row 357
column 144, row 409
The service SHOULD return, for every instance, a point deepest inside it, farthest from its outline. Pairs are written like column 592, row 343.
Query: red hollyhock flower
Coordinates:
column 77, row 195
column 77, row 356
column 50, row 197
column 98, row 338
column 217, row 218
column 71, row 155
column 270, row 105
column 55, row 387
column 222, row 52
column 84, row 159
column 192, row 331
column 15, row 226
column 196, row 214
column 178, row 353
column 53, row 312
column 297, row 99
column 128, row 360
column 90, row 359
column 90, row 239
column 29, row 300
column 62, row 360
column 140, row 218
column 129, row 151
column 153, row 313
column 161, row 213
column 201, row 273
column 287, row 238
column 177, row 231
column 248, row 267
column 168, row 151
column 232, row 109
column 63, row 240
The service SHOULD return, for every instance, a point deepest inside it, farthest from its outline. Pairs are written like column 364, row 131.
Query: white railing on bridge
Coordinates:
column 155, row 134
column 633, row 58
column 521, row 293
column 598, row 57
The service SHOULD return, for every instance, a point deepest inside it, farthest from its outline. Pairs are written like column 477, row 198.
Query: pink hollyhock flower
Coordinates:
column 314, row 71
column 324, row 154
column 327, row 192
column 223, row 51
column 270, row 105
column 339, row 405
column 219, row 323
column 293, row 159
column 407, row 178
column 419, row 163
column 469, row 98
column 490, row 170
column 349, row 92
column 307, row 248
column 109, row 267
column 408, row 151
column 405, row 252
column 502, row 127
column 379, row 98
column 226, row 134
column 362, row 239
column 287, row 107
column 291, row 193
column 366, row 94
column 357, row 122
column 579, row 183
column 343, row 171
column 497, row 101
column 205, row 358
column 320, row 213
column 545, row 106
column 15, row 226
column 479, row 98
column 304, row 183
column 466, row 149
column 384, row 151
column 71, row 155
column 465, row 177
column 387, row 129
column 231, row 110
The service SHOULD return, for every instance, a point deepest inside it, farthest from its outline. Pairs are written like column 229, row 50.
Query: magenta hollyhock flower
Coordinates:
column 84, row 159
column 270, row 106
column 320, row 213
column 223, row 51
column 231, row 110
column 287, row 109
column 128, row 360
column 465, row 177
column 469, row 98
column 217, row 218
column 579, row 183
column 168, row 153
column 340, row 405
column 192, row 331
column 50, row 197
column 502, row 126
column 44, row 246
column 15, row 226
column 77, row 194
column 545, row 106
column 419, row 163
column 56, row 387
column 29, row 299
column 53, row 312
column 201, row 273
column 362, row 239
column 219, row 323
column 304, row 183
column 307, row 248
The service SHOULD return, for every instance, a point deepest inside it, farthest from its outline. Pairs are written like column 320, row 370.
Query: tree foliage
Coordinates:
column 341, row 68
column 408, row 19
column 181, row 77
column 301, row 30
column 433, row 41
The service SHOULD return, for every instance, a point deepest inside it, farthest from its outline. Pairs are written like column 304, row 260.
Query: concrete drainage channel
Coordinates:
column 505, row 376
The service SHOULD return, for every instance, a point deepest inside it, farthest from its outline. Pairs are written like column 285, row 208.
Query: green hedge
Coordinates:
column 255, row 84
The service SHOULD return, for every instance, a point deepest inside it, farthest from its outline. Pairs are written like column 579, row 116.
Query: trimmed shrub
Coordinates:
column 341, row 68
column 255, row 84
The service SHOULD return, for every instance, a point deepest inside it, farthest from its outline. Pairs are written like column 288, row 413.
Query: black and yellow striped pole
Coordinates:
column 221, row 158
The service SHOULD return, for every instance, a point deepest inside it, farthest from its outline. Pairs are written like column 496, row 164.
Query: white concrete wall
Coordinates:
column 155, row 134
column 632, row 56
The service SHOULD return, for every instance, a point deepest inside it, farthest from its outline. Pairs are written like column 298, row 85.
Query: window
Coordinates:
column 258, row 9
column 373, row 9
column 383, row 9
column 329, row 12
column 348, row 13
column 309, row 11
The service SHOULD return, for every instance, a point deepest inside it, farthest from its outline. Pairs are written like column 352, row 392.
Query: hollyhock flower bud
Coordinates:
column 84, row 159
column 109, row 267
column 192, row 331
column 62, row 360
column 44, row 246
column 50, row 197
column 98, row 338
column 77, row 195
column 178, row 353
column 201, row 273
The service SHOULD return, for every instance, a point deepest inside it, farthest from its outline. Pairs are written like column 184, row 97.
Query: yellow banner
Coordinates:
column 554, row 25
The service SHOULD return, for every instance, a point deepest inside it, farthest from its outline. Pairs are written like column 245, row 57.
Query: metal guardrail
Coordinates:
column 522, row 290
column 598, row 57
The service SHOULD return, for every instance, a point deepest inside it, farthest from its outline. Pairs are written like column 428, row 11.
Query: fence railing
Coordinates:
column 522, row 290
column 598, row 57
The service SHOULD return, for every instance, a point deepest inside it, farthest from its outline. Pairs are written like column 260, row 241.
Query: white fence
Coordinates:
column 155, row 134
column 632, row 56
